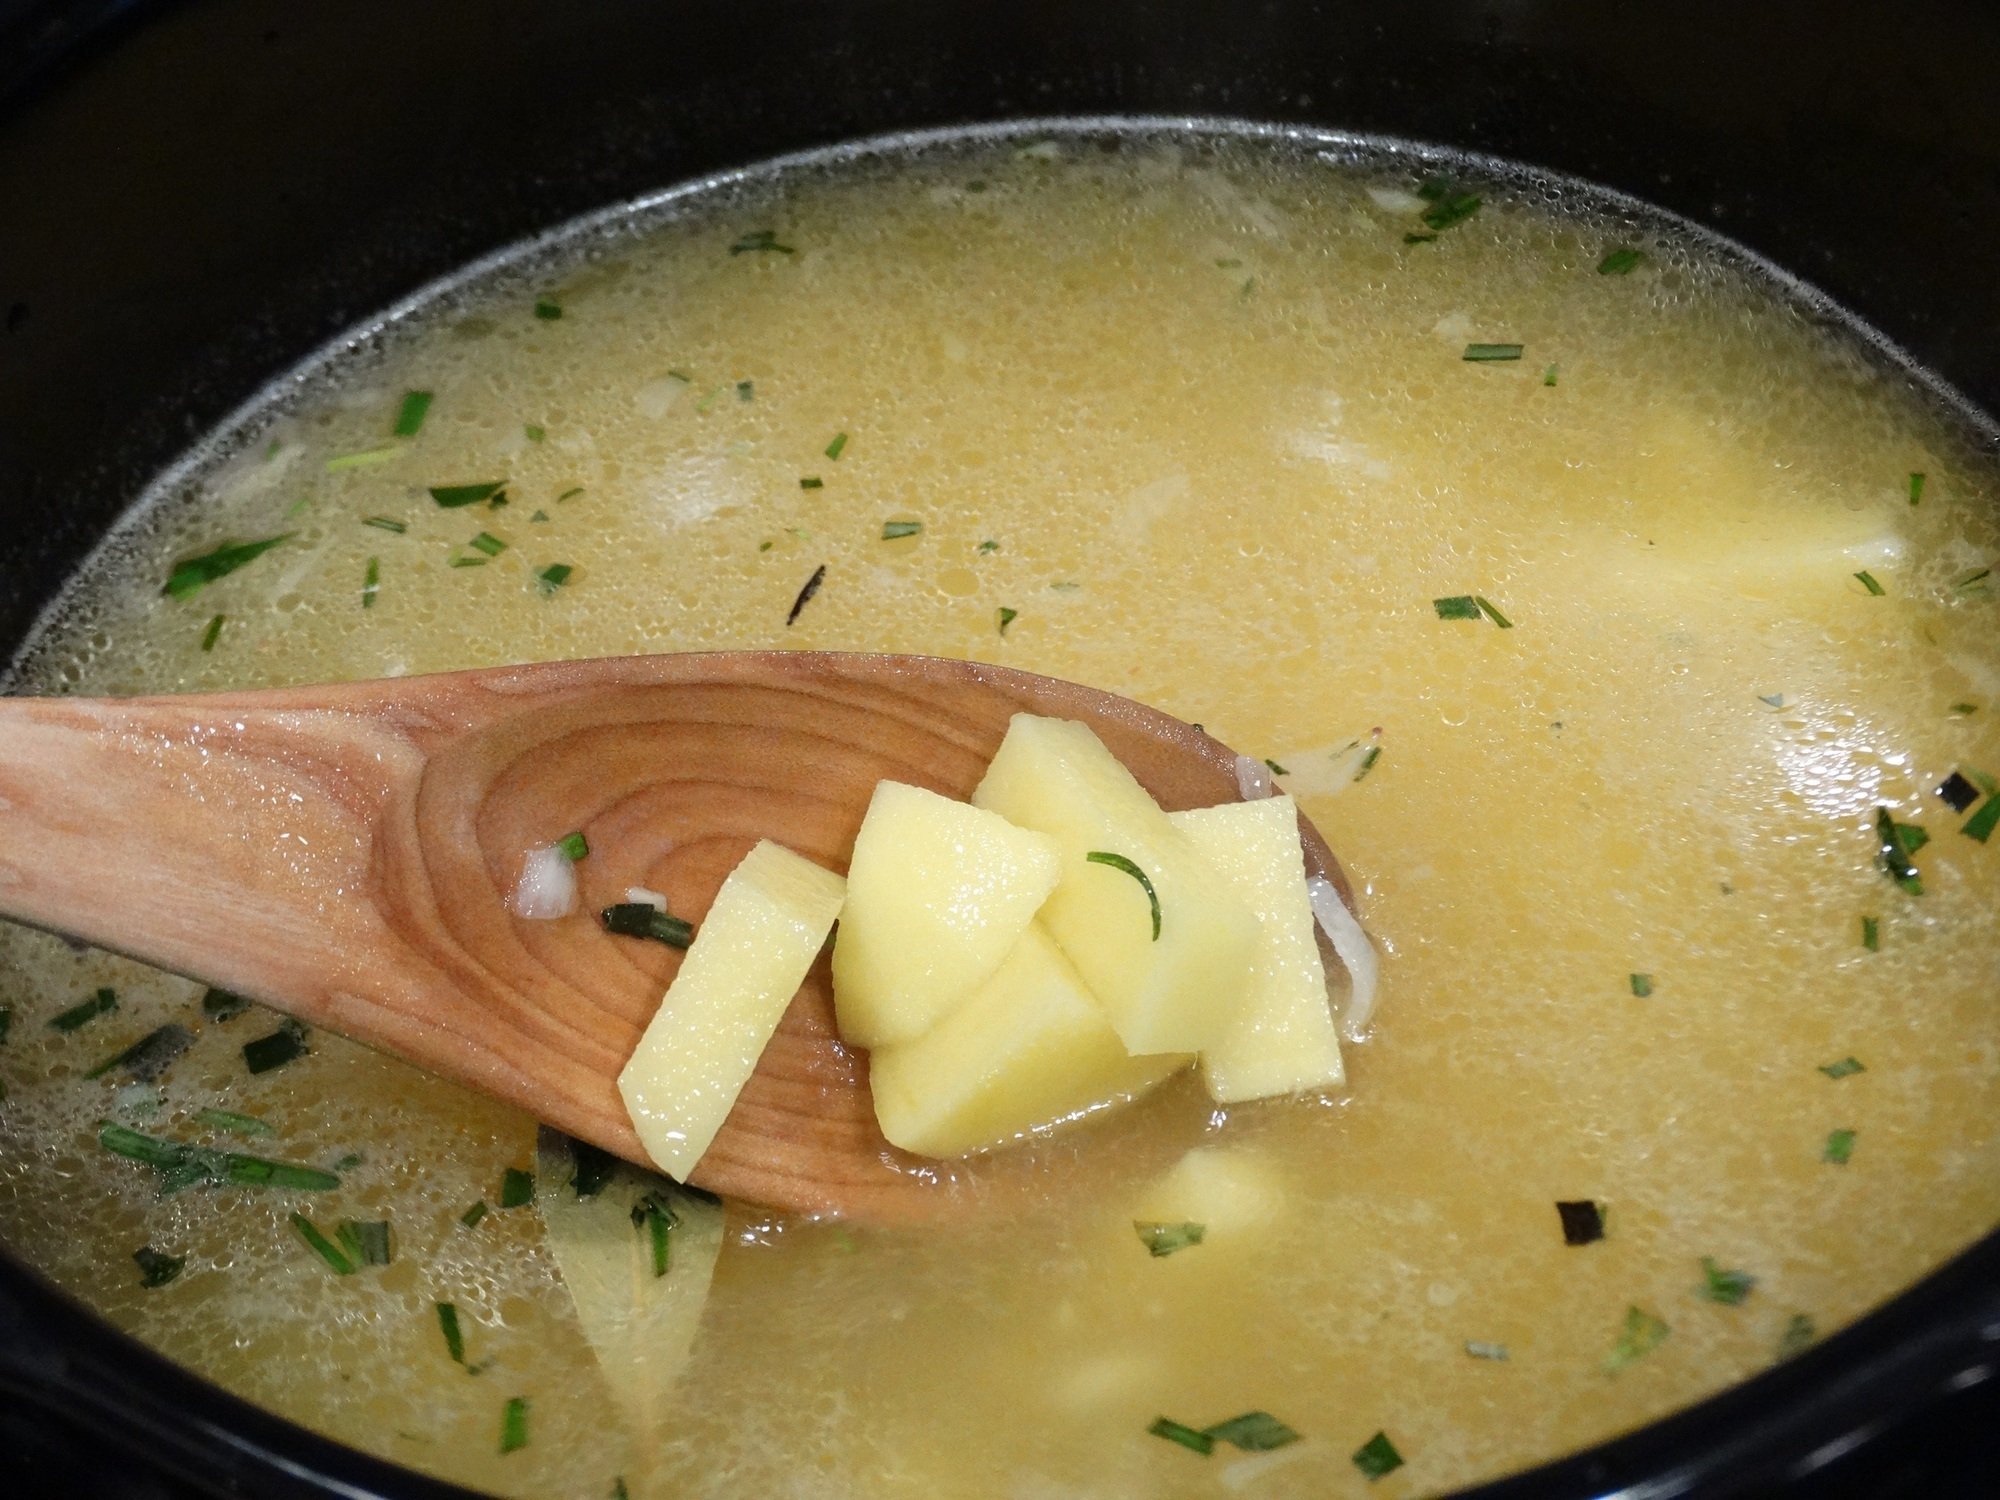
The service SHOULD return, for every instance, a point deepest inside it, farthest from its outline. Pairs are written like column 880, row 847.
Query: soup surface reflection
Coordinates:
column 1215, row 423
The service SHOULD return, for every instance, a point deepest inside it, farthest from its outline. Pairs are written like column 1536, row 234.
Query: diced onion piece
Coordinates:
column 1355, row 951
column 1253, row 778
column 640, row 895
column 547, row 887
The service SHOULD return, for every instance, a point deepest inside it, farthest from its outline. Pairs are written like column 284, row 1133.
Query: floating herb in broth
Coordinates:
column 1676, row 654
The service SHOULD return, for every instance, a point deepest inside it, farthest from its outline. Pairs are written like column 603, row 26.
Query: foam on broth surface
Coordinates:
column 1211, row 408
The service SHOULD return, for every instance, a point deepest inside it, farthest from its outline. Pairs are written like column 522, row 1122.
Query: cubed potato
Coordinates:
column 1281, row 1039
column 1028, row 1048
column 1227, row 1190
column 768, row 923
column 938, row 893
column 1164, row 993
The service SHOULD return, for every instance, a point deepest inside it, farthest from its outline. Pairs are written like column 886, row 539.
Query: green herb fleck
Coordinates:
column 1641, row 1335
column 569, row 494
column 548, row 311
column 1916, row 487
column 1772, row 700
column 1377, row 1456
column 1983, row 821
column 514, row 1425
column 371, row 582
column 213, row 633
column 1165, row 1239
column 812, row 482
column 222, row 1005
column 538, row 517
column 1974, row 582
column 1448, row 205
column 593, row 1168
column 1798, row 1336
column 839, row 444
column 454, row 1339
column 321, row 1246
column 1253, row 1432
column 1620, row 262
column 230, row 1120
column 1839, row 1147
column 895, row 530
column 366, row 1241
column 386, row 523
column 150, row 1056
column 1368, row 758
column 1726, row 1287
column 517, row 1188
column 1456, row 607
column 6, row 1021
column 1549, row 376
column 1868, row 582
column 1491, row 353
column 181, row 1165
column 574, row 846
column 655, row 1218
column 1486, row 608
column 1007, row 617
column 746, row 390
column 1414, row 238
column 1962, row 709
column 553, row 577
column 85, row 1011
column 1871, row 934
column 988, row 547
column 1894, row 844
column 454, row 496
column 1276, row 769
column 488, row 543
column 642, row 919
column 533, row 433
column 1120, row 862
column 156, row 1268
column 1642, row 985
column 190, row 573
column 805, row 597
column 286, row 1044
column 362, row 459
column 1847, row 1067
column 410, row 415
column 1180, row 1432
column 474, row 1214
column 760, row 240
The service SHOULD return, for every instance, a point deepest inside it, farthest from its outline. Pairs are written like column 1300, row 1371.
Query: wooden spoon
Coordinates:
column 344, row 853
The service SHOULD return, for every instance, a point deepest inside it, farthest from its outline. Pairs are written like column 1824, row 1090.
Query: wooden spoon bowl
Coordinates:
column 344, row 853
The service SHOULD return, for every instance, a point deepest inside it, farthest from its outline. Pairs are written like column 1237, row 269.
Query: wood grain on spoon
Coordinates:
column 344, row 853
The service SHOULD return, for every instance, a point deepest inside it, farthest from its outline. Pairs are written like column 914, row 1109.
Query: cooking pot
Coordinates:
column 195, row 195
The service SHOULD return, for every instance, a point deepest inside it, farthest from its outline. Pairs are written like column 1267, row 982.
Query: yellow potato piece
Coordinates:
column 1028, row 1048
column 1226, row 1190
column 1168, row 994
column 768, row 923
column 1281, row 1038
column 938, row 893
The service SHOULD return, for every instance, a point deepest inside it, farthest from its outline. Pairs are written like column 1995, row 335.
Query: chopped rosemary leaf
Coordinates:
column 569, row 494
column 517, row 1188
column 806, row 594
column 1377, row 1456
column 553, row 577
column 1164, row 1239
column 362, row 459
column 386, row 523
column 468, row 562
column 190, row 573
column 321, row 1246
column 85, row 1011
column 1582, row 1221
column 286, row 1044
column 1368, row 759
column 1448, row 206
column 1916, row 487
column 1847, row 1067
column 1486, row 608
column 473, row 1214
column 410, row 415
column 547, row 310
column 1957, row 793
column 746, row 390
column 758, row 240
column 1798, row 1336
column 533, row 433
column 1641, row 1335
column 371, row 582
column 214, row 632
column 988, row 546
column 835, row 448
column 157, row 1268
column 642, row 919
column 1868, row 582
column 488, row 543
column 454, row 1339
column 1480, row 1350
column 1120, row 862
column 1981, row 824
column 1839, row 1147
column 812, row 482
column 1253, row 1432
column 1642, row 984
column 514, row 1425
column 1180, row 1432
column 656, row 1218
column 574, row 846
column 366, row 1241
column 1621, row 262
column 893, row 530
column 1276, row 769
column 1007, row 617
column 1894, row 845
column 222, row 1005
column 230, row 1120
column 1549, row 376
column 1729, row 1288
column 150, row 1056
column 1456, row 607
column 1871, row 934
column 1491, row 353
column 453, row 496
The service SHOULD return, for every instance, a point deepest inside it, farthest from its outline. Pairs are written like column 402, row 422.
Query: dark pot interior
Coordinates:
column 196, row 195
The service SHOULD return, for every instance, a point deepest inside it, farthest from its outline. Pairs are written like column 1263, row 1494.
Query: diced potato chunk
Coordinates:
column 1028, row 1048
column 1168, row 994
column 768, row 923
column 1281, row 1039
column 938, row 893
column 1225, row 1190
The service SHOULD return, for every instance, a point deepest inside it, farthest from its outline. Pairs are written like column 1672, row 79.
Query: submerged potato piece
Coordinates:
column 767, row 925
column 938, row 893
column 1225, row 1190
column 1028, row 1048
column 1162, row 994
column 1281, row 1039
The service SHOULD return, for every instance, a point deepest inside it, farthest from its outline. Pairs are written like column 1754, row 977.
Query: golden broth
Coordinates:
column 1198, row 413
